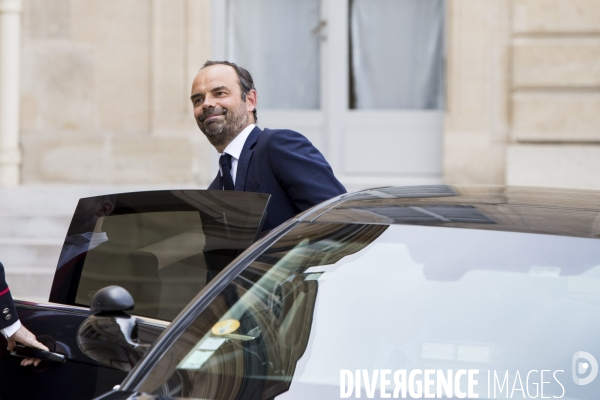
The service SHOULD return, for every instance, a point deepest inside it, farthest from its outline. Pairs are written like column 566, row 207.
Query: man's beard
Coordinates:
column 220, row 133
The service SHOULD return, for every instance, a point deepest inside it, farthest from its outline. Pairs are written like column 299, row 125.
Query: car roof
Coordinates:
column 567, row 212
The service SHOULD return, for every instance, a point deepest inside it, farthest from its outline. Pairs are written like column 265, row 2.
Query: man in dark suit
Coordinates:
column 10, row 325
column 280, row 162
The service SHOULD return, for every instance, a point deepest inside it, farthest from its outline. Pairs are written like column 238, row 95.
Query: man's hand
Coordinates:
column 26, row 338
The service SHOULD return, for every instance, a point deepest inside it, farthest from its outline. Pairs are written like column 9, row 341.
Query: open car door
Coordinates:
column 162, row 246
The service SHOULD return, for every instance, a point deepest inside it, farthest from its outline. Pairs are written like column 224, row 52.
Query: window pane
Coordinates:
column 162, row 246
column 396, row 50
column 278, row 42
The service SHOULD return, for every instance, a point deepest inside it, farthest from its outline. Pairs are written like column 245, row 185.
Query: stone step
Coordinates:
column 39, row 198
column 29, row 283
column 35, row 252
column 60, row 198
column 33, row 223
column 34, row 226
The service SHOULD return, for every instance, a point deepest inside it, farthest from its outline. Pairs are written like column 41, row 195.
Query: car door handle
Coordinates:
column 22, row 351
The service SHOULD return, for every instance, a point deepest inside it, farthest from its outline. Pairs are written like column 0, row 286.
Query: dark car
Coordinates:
column 405, row 292
column 161, row 246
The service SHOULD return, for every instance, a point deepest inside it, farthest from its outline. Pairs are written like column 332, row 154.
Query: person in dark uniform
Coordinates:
column 10, row 325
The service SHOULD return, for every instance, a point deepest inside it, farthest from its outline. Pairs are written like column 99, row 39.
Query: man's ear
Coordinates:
column 106, row 208
column 251, row 100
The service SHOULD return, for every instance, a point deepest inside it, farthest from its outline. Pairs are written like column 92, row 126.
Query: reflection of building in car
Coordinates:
column 498, row 280
column 399, row 279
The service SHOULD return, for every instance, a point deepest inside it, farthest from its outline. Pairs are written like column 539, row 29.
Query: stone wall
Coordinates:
column 105, row 91
column 105, row 86
column 524, row 93
column 477, row 119
column 555, row 94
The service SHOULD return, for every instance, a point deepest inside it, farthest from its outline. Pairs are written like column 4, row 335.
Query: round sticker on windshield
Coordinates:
column 225, row 327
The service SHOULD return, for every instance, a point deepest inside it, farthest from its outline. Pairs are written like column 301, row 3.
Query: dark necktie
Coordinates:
column 225, row 162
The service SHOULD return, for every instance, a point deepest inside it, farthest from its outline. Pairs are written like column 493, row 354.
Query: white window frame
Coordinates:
column 362, row 146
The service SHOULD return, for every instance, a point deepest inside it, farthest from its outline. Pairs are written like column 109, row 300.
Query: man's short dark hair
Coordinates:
column 244, row 77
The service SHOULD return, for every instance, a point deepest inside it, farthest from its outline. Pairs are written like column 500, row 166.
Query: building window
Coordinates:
column 278, row 41
column 396, row 54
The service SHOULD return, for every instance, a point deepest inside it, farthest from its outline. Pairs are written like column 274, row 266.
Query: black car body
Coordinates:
column 406, row 292
column 162, row 246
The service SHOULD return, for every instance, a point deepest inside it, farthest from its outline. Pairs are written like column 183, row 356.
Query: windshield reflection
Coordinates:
column 333, row 297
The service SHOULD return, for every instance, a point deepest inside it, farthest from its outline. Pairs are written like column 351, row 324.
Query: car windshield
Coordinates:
column 351, row 310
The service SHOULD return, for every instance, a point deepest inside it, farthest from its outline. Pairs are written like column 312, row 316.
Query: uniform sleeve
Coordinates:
column 11, row 329
column 8, row 312
column 301, row 170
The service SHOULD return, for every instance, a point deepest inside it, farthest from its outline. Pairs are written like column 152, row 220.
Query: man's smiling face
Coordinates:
column 219, row 110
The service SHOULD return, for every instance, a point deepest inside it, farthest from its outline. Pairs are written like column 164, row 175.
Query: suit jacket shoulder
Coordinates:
column 286, row 165
column 297, row 166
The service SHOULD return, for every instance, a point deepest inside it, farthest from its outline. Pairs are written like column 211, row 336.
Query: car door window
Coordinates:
column 162, row 246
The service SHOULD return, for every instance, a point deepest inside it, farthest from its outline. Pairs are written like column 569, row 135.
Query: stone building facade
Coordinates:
column 104, row 89
column 523, row 96
column 96, row 93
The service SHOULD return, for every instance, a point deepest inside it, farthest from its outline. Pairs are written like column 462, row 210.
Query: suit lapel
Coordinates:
column 217, row 183
column 244, row 161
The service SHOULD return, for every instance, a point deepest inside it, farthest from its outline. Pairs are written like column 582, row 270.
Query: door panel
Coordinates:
column 79, row 378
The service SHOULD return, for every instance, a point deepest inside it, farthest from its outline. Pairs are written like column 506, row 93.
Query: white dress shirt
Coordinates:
column 78, row 244
column 234, row 149
column 11, row 329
